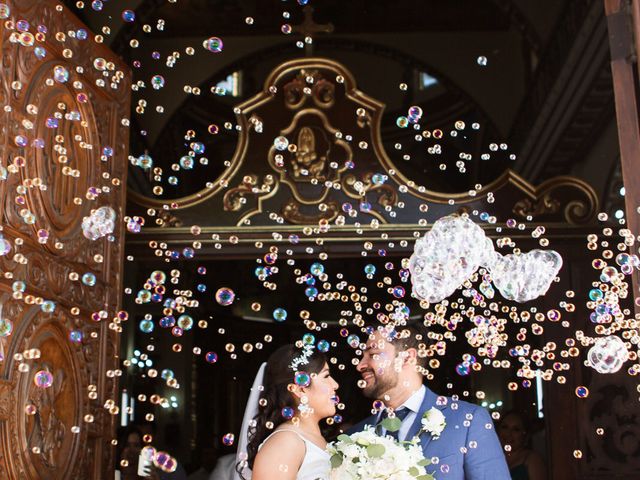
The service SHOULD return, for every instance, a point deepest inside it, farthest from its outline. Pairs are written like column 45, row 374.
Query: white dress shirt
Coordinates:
column 413, row 403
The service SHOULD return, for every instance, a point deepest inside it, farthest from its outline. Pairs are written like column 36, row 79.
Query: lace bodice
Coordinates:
column 316, row 464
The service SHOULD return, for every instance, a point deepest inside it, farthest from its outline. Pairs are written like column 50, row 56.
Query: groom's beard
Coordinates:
column 381, row 385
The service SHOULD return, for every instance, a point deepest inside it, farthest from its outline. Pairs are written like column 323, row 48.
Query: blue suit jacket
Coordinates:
column 466, row 427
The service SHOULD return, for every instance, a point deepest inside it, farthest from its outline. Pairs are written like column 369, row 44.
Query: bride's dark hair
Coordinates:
column 277, row 376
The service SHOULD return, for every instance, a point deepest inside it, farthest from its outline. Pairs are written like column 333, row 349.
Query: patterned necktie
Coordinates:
column 401, row 414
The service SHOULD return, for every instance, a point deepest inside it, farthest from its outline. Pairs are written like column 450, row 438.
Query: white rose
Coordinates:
column 351, row 451
column 433, row 421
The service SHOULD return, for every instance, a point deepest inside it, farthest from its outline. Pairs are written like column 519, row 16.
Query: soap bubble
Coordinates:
column 482, row 61
column 281, row 143
column 225, row 296
column 302, row 379
column 5, row 247
column 447, row 256
column 608, row 354
column 279, row 314
column 100, row 223
column 213, row 44
column 526, row 276
column 128, row 16
column 60, row 74
column 43, row 379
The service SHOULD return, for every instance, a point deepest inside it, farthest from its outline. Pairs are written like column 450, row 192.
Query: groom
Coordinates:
column 460, row 434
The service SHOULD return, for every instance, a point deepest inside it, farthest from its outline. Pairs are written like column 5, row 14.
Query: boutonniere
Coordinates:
column 433, row 422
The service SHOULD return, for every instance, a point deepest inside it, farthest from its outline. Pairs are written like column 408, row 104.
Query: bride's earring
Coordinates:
column 303, row 406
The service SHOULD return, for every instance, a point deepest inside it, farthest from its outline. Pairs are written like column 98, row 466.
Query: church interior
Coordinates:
column 189, row 184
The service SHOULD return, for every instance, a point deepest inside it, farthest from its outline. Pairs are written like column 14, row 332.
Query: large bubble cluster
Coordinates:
column 456, row 247
column 100, row 223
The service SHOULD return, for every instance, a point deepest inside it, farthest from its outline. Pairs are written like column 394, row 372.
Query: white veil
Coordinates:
column 249, row 413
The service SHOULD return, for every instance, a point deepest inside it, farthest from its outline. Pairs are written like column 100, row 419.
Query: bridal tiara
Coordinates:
column 303, row 358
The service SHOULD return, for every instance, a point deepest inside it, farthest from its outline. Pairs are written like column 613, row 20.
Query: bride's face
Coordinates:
column 322, row 393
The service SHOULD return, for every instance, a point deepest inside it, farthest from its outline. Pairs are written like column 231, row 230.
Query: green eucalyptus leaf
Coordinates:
column 336, row 460
column 424, row 462
column 375, row 450
column 345, row 438
column 392, row 424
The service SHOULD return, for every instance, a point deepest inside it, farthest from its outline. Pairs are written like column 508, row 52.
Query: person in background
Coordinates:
column 225, row 467
column 209, row 457
column 129, row 446
column 515, row 436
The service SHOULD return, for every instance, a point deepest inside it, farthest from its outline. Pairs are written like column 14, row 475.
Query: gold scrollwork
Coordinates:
column 354, row 188
column 235, row 198
column 309, row 83
column 291, row 212
column 541, row 206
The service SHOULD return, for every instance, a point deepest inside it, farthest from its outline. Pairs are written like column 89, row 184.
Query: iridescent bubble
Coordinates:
column 308, row 339
column 281, row 143
column 145, row 161
column 316, row 269
column 144, row 296
column 60, row 74
column 128, row 16
column 323, row 346
column 187, row 162
column 48, row 306
column 158, row 277
column 211, row 357
column 167, row 374
column 402, row 122
column 279, row 314
column 19, row 286
column 302, row 379
column 463, row 369
column 370, row 269
column 185, row 322
column 75, row 336
column 311, row 292
column 157, row 82
column 595, row 294
column 378, row 178
column 482, row 61
column 398, row 291
column 228, row 439
column 415, row 113
column 213, row 44
column 353, row 341
column 6, row 327
column 213, row 129
column 225, row 296
column 97, row 5
column 89, row 279
column 198, row 147
column 582, row 392
column 99, row 64
column 608, row 354
column 43, row 379
column 146, row 326
column 5, row 247
column 5, row 11
column 287, row 413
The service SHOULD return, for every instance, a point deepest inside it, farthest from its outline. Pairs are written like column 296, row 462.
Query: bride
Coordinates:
column 284, row 438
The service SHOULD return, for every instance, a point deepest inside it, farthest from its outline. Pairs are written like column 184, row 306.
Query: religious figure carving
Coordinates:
column 48, row 431
column 306, row 162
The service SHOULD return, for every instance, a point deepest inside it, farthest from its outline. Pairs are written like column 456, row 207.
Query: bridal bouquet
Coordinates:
column 365, row 455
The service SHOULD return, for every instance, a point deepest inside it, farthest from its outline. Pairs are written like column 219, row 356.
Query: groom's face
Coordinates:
column 378, row 367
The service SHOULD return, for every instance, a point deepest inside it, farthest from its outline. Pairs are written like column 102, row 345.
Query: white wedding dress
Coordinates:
column 316, row 464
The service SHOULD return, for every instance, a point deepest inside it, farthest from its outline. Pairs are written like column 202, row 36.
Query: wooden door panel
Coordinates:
column 63, row 430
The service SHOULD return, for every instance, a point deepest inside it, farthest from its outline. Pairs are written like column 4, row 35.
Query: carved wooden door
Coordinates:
column 63, row 153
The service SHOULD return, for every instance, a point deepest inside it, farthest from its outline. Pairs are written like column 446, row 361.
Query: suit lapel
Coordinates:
column 429, row 401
